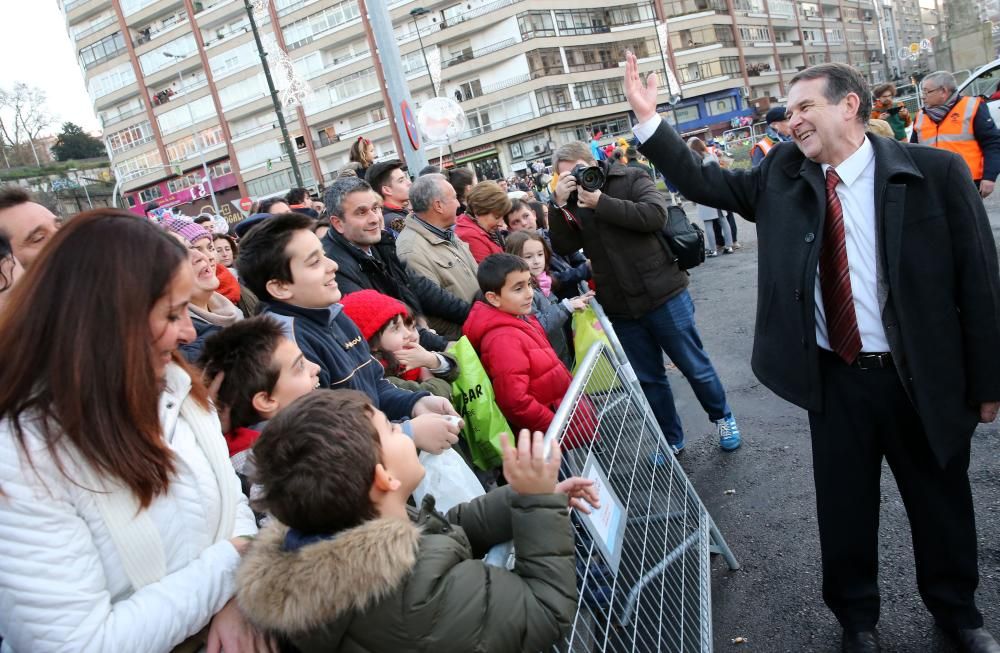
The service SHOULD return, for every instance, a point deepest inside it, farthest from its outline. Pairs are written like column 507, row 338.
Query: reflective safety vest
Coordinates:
column 954, row 133
column 764, row 145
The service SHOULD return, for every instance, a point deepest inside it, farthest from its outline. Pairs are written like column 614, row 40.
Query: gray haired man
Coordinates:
column 428, row 244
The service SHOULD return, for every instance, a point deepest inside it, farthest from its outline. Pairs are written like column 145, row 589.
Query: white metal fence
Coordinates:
column 643, row 559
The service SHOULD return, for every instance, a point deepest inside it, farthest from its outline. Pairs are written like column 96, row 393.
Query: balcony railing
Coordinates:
column 168, row 94
column 363, row 129
column 546, row 109
column 148, row 34
column 73, row 4
column 96, row 27
column 468, row 53
column 477, row 12
column 293, row 7
column 595, row 65
column 500, row 124
column 220, row 35
column 547, row 71
column 757, row 69
column 131, row 6
column 124, row 115
column 504, row 84
column 601, row 100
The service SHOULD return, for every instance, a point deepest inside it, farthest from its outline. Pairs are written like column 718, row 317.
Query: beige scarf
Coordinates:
column 132, row 530
column 221, row 312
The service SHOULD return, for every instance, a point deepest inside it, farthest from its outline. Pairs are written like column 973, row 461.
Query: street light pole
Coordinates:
column 289, row 149
column 194, row 136
column 414, row 14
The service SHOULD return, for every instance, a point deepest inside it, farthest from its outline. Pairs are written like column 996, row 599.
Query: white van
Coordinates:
column 985, row 81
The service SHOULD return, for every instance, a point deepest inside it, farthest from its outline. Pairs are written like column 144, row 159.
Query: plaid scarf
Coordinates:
column 938, row 113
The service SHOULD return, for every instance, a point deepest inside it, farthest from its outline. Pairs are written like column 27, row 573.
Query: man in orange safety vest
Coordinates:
column 777, row 132
column 959, row 124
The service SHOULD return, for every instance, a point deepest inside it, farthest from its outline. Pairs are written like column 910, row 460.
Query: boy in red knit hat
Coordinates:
column 392, row 336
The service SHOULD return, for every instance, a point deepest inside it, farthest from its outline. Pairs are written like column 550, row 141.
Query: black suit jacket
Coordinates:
column 384, row 272
column 938, row 280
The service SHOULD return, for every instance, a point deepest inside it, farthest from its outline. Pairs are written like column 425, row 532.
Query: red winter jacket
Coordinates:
column 528, row 378
column 479, row 242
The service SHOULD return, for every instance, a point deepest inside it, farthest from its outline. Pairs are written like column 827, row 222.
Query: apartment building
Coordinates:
column 175, row 80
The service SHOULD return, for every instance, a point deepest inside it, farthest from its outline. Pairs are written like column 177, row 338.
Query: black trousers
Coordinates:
column 866, row 417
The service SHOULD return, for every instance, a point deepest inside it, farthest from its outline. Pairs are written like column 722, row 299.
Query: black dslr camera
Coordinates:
column 589, row 178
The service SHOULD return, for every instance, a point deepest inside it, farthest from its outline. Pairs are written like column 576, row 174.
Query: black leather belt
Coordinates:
column 873, row 360
column 866, row 360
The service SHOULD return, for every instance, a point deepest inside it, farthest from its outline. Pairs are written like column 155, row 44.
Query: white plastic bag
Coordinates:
column 448, row 479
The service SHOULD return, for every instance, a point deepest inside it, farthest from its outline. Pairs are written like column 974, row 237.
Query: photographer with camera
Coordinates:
column 617, row 215
column 885, row 107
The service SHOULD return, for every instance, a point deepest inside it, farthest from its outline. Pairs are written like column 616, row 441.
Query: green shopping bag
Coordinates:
column 473, row 398
column 587, row 330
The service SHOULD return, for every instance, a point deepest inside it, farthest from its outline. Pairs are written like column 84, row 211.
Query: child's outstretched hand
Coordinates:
column 577, row 488
column 415, row 356
column 525, row 467
column 581, row 302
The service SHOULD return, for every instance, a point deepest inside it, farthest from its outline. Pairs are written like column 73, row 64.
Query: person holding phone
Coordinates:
column 886, row 108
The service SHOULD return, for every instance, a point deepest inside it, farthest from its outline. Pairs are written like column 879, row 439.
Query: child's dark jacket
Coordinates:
column 420, row 585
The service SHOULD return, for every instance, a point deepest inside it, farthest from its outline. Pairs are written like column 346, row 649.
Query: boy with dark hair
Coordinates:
column 528, row 378
column 263, row 370
column 298, row 201
column 351, row 566
column 282, row 262
column 390, row 180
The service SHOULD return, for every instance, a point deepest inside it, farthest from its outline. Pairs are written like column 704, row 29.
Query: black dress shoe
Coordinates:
column 975, row 640
column 860, row 641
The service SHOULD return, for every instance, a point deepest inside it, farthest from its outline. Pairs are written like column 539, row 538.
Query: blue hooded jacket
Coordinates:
column 330, row 339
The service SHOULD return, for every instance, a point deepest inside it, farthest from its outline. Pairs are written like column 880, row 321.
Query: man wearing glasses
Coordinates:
column 959, row 124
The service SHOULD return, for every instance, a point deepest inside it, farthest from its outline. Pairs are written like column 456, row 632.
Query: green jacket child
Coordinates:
column 356, row 569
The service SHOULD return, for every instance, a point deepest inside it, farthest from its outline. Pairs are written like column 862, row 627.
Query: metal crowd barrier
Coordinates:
column 643, row 559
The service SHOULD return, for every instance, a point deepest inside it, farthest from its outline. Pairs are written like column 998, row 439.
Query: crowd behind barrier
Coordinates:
column 332, row 430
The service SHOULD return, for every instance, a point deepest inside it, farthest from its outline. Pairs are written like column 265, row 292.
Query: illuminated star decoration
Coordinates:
column 293, row 90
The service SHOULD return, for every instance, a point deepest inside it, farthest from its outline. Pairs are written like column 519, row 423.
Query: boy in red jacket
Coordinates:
column 528, row 378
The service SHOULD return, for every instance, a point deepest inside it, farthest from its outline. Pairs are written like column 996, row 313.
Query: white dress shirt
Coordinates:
column 856, row 191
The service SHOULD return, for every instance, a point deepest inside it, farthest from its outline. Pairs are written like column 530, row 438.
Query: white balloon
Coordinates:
column 441, row 120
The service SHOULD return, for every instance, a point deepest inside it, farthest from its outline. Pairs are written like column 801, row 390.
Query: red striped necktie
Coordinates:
column 835, row 278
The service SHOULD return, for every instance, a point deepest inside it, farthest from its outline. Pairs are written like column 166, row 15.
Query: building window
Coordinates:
column 302, row 32
column 106, row 48
column 755, row 34
column 719, row 106
column 151, row 193
column 532, row 147
column 552, row 99
column 682, row 114
column 616, row 126
column 130, row 137
column 534, row 24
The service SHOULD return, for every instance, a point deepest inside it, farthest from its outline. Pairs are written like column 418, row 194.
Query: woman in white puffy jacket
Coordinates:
column 121, row 519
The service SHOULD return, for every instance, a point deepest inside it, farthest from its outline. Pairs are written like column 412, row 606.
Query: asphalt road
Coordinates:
column 774, row 602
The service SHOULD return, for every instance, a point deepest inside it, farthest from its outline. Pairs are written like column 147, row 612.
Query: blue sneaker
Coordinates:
column 729, row 433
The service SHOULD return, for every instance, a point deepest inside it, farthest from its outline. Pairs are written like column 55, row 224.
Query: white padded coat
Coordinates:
column 62, row 582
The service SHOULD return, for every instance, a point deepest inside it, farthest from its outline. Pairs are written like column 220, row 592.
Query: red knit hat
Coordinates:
column 370, row 310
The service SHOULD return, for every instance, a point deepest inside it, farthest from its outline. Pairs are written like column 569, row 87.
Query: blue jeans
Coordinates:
column 670, row 329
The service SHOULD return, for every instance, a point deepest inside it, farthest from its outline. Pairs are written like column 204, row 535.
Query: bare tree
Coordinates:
column 24, row 118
